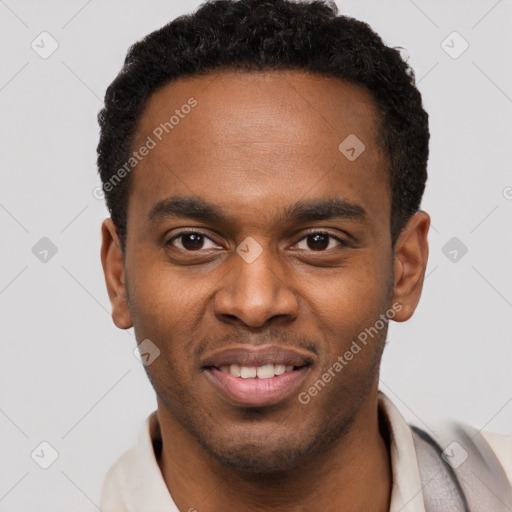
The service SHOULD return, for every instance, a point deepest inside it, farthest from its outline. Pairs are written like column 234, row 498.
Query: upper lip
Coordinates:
column 259, row 356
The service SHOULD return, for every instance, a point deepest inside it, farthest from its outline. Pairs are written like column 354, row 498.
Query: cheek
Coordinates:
column 356, row 290
column 348, row 303
column 163, row 295
column 161, row 312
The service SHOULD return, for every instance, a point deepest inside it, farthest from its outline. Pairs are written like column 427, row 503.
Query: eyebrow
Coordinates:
column 189, row 207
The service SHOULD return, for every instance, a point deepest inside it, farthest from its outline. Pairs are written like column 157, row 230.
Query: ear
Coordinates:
column 113, row 269
column 410, row 263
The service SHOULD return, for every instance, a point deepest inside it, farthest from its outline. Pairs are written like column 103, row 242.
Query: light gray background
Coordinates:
column 69, row 376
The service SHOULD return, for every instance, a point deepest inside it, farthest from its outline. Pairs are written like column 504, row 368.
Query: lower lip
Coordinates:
column 257, row 392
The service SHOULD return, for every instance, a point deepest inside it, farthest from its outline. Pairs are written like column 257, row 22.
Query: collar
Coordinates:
column 135, row 483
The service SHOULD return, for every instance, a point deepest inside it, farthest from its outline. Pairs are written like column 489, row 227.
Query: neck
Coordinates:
column 355, row 469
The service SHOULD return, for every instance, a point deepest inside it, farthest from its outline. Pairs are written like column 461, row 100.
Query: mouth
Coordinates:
column 260, row 377
column 266, row 371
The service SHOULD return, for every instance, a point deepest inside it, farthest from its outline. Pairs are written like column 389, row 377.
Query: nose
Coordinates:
column 255, row 292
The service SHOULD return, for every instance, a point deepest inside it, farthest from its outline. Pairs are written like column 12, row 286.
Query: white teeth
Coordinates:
column 279, row 369
column 266, row 371
column 234, row 369
column 248, row 372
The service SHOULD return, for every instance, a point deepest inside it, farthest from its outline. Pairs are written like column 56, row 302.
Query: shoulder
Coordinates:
column 501, row 445
column 464, row 465
column 116, row 480
column 124, row 482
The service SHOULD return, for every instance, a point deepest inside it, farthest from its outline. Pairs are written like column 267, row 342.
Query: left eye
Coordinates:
column 320, row 241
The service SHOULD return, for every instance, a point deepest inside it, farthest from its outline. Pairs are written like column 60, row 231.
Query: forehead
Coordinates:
column 246, row 139
column 272, row 106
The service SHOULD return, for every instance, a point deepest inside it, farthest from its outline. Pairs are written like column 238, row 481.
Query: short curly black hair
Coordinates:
column 256, row 35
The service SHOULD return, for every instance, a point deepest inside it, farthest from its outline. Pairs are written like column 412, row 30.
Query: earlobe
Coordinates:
column 114, row 272
column 410, row 262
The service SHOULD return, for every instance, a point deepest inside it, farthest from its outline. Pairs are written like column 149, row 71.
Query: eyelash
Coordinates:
column 342, row 242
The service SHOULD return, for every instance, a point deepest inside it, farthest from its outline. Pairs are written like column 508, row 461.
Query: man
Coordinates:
column 263, row 163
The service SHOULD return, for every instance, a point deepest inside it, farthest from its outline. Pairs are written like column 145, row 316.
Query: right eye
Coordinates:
column 190, row 241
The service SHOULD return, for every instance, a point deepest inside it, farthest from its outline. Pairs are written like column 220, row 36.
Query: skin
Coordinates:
column 255, row 144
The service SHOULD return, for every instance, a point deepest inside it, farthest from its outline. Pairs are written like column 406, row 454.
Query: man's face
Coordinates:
column 252, row 277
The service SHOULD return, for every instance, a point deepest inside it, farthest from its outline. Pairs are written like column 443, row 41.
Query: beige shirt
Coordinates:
column 135, row 483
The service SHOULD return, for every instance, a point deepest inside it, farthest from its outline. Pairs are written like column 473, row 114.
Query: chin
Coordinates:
column 260, row 458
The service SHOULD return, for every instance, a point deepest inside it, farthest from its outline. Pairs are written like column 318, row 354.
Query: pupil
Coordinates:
column 324, row 242
column 196, row 243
